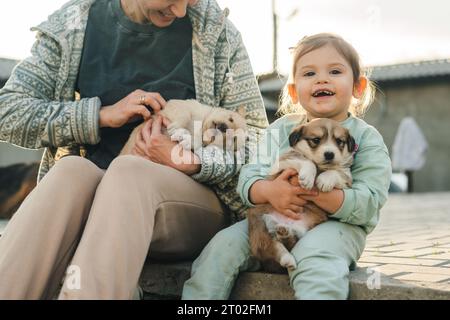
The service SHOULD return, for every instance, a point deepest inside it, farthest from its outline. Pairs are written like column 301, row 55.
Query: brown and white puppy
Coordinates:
column 195, row 125
column 322, row 153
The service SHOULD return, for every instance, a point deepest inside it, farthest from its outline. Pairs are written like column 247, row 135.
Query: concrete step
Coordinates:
column 165, row 281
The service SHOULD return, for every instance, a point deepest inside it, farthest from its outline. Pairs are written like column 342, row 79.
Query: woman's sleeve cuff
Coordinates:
column 85, row 121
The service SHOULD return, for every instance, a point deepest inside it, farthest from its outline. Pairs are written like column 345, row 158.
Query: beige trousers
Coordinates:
column 100, row 226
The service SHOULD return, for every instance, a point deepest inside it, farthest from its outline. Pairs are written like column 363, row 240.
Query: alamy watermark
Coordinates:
column 73, row 277
column 374, row 279
column 239, row 146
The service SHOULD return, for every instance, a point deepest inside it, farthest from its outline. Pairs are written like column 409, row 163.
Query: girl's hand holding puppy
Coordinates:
column 328, row 201
column 281, row 194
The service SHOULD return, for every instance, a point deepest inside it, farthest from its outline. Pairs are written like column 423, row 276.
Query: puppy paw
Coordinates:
column 326, row 181
column 287, row 261
column 282, row 231
column 186, row 142
column 177, row 134
column 306, row 179
column 183, row 137
column 173, row 129
column 299, row 230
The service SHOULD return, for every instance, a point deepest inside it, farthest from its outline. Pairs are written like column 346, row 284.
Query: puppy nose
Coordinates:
column 222, row 127
column 329, row 156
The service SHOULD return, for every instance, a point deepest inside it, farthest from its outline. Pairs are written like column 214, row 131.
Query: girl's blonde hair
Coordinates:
column 311, row 43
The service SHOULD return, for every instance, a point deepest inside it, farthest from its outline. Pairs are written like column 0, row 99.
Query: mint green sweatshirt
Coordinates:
column 371, row 169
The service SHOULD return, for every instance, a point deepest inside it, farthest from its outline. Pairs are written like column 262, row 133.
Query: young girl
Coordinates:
column 325, row 255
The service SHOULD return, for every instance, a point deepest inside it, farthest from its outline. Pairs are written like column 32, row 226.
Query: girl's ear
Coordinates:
column 360, row 87
column 292, row 93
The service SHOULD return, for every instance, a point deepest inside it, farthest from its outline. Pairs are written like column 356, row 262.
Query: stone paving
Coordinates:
column 411, row 243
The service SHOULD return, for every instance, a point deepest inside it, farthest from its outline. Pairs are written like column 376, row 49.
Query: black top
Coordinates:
column 120, row 56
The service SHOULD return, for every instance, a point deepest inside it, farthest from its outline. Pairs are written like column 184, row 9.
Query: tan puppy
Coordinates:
column 195, row 125
column 322, row 153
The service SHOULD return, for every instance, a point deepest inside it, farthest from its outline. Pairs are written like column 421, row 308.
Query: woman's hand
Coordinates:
column 281, row 194
column 131, row 108
column 153, row 145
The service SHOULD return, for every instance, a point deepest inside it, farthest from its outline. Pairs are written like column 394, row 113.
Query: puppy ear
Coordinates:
column 351, row 144
column 295, row 136
column 241, row 110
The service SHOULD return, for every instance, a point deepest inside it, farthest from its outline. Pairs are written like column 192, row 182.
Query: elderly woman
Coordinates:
column 96, row 70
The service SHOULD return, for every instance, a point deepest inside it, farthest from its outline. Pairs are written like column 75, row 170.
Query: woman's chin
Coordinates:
column 161, row 21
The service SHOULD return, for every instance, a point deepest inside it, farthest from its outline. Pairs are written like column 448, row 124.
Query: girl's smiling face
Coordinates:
column 323, row 84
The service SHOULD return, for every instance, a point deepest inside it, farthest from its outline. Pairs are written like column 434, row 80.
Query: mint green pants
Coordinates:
column 324, row 256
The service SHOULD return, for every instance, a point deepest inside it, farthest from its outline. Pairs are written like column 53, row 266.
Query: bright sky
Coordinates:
column 383, row 31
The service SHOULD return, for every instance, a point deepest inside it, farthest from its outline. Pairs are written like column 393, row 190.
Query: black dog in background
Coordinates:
column 16, row 182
